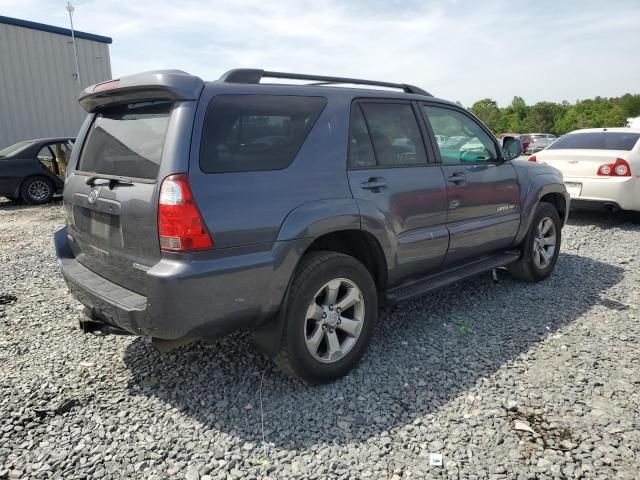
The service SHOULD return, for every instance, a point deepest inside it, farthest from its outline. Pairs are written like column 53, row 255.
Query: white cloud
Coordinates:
column 460, row 50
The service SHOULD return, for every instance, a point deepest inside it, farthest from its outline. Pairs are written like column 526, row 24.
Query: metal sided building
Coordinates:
column 38, row 82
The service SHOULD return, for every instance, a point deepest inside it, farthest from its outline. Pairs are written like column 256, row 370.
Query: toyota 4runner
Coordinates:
column 195, row 209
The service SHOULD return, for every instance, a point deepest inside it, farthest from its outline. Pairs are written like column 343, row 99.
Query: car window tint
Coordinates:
column 360, row 148
column 459, row 138
column 15, row 148
column 44, row 155
column 395, row 134
column 127, row 140
column 596, row 141
column 256, row 132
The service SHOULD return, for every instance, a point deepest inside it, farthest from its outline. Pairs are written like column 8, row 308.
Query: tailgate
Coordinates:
column 111, row 197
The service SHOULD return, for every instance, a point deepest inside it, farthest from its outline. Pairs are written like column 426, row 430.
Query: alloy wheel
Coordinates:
column 39, row 190
column 544, row 243
column 335, row 318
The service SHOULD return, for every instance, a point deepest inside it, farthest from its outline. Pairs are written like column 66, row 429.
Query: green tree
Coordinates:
column 487, row 110
column 558, row 118
column 542, row 117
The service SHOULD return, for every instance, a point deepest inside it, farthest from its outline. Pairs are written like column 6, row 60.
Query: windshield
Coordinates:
column 15, row 148
column 597, row 141
column 127, row 140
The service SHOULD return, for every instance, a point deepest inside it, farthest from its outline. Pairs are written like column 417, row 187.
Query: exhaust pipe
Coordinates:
column 611, row 207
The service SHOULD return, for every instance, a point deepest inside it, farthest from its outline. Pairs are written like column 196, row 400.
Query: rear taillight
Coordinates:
column 532, row 158
column 180, row 225
column 618, row 169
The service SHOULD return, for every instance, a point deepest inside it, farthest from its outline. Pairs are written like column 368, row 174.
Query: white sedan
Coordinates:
column 601, row 166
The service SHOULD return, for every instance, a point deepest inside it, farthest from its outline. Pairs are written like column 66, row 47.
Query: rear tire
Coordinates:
column 36, row 190
column 330, row 316
column 541, row 246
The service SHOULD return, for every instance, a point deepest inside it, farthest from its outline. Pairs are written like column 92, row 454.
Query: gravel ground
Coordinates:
column 504, row 380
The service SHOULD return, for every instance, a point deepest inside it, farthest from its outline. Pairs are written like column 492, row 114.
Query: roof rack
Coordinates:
column 254, row 75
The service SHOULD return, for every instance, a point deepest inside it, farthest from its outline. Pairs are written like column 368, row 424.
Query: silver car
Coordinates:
column 540, row 141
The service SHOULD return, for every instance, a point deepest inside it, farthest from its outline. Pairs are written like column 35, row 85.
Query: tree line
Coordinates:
column 557, row 118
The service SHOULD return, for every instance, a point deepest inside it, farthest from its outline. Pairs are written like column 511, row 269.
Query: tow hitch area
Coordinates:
column 100, row 329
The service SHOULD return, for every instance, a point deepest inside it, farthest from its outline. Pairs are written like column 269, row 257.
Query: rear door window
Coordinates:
column 395, row 134
column 360, row 148
column 256, row 132
column 45, row 155
column 127, row 140
column 597, row 141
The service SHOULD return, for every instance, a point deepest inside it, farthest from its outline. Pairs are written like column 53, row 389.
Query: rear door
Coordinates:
column 482, row 190
column 389, row 172
column 111, row 195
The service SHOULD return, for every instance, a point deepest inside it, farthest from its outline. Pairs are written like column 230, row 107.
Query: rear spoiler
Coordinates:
column 157, row 85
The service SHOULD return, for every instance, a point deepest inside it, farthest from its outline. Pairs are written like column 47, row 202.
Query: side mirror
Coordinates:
column 511, row 148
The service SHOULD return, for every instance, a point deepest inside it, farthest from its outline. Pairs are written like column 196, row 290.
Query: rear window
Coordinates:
column 256, row 132
column 127, row 140
column 16, row 148
column 597, row 141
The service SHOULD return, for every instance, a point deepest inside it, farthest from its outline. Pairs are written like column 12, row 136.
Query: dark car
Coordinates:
column 33, row 170
column 195, row 209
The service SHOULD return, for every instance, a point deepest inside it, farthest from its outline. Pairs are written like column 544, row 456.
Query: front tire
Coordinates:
column 541, row 246
column 36, row 190
column 330, row 316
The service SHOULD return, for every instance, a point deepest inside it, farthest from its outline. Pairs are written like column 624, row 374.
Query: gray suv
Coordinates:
column 195, row 209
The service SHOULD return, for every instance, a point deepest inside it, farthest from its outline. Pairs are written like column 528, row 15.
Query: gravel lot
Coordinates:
column 505, row 380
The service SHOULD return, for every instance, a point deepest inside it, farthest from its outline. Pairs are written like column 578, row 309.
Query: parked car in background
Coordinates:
column 539, row 141
column 181, row 225
column 33, row 170
column 523, row 137
column 601, row 167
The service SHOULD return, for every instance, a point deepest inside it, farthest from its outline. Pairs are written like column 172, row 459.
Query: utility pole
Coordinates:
column 71, row 9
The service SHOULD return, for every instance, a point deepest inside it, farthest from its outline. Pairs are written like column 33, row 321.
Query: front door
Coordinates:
column 392, row 179
column 482, row 189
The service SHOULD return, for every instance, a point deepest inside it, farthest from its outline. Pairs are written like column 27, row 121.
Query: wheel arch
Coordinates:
column 334, row 224
column 359, row 244
column 548, row 187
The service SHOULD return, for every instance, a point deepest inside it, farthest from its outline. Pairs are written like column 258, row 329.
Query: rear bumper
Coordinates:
column 195, row 299
column 606, row 192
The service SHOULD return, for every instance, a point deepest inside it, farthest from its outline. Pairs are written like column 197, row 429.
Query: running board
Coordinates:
column 440, row 279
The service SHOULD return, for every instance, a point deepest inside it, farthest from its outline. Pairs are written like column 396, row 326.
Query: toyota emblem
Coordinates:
column 93, row 196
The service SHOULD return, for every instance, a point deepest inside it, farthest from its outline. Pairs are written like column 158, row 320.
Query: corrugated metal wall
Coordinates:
column 38, row 89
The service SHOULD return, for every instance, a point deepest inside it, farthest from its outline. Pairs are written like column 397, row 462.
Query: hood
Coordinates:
column 527, row 169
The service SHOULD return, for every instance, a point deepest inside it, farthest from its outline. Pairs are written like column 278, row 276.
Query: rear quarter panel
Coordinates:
column 245, row 208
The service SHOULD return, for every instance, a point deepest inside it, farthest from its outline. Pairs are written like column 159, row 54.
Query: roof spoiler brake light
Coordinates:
column 101, row 87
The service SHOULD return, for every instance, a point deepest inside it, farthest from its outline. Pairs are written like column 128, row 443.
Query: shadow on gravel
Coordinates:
column 604, row 219
column 18, row 205
column 424, row 353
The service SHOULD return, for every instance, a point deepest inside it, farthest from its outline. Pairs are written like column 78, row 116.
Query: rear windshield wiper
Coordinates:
column 97, row 180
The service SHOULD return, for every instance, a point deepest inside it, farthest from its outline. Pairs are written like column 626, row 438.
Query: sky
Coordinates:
column 460, row 50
